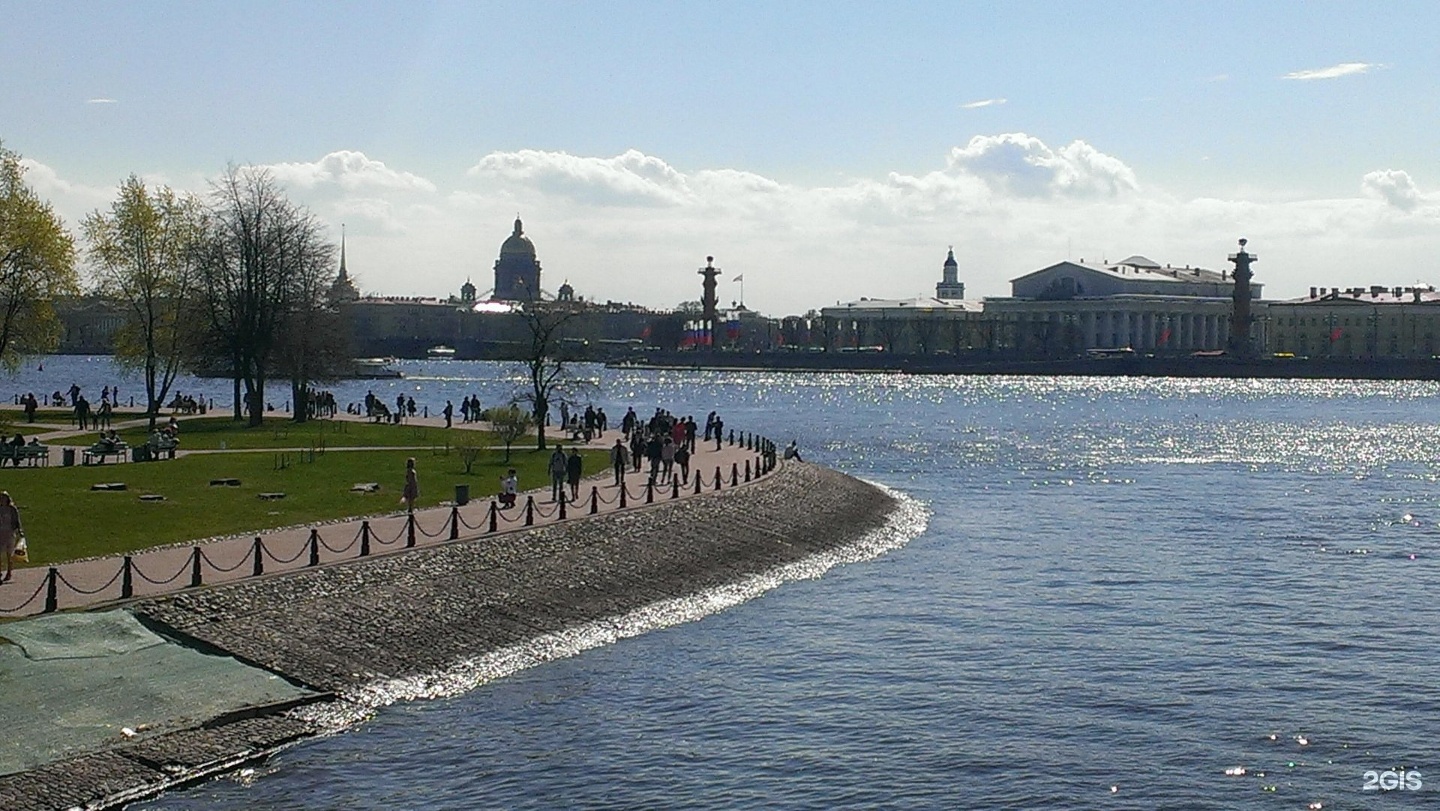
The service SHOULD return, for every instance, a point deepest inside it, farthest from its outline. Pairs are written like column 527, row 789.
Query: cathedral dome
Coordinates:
column 518, row 243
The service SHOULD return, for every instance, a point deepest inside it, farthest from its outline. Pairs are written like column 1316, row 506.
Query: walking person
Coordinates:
column 574, row 470
column 9, row 533
column 620, row 461
column 682, row 461
column 667, row 459
column 450, row 412
column 412, row 485
column 558, row 466
column 719, row 431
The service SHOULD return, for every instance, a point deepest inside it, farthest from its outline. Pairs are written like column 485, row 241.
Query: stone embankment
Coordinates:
column 340, row 628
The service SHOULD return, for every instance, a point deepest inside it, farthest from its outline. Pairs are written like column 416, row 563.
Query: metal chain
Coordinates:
column 185, row 567
column 304, row 550
column 79, row 590
column 444, row 529
column 28, row 600
column 244, row 560
column 346, row 548
column 485, row 523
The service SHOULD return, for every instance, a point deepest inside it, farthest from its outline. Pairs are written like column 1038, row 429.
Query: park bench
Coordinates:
column 97, row 454
column 29, row 454
column 163, row 446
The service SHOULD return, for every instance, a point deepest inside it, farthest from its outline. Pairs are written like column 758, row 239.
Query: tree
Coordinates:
column 144, row 252
column 259, row 253
column 510, row 423
column 37, row 264
column 548, row 361
column 314, row 343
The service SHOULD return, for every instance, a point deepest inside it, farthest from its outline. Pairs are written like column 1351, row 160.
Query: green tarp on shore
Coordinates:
column 70, row 683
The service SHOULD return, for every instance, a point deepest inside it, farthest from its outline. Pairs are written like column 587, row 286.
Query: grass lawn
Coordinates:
column 209, row 432
column 64, row 519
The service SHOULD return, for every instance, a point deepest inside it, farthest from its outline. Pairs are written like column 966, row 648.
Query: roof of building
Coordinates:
column 920, row 303
column 1148, row 272
column 518, row 243
column 1374, row 294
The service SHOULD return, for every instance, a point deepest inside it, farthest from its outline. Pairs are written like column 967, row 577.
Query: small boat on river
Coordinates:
column 440, row 352
column 374, row 369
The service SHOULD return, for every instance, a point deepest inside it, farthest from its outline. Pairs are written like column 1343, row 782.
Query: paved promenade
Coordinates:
column 169, row 569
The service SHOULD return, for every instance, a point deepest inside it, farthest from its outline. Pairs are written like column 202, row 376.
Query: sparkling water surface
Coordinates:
column 1126, row 587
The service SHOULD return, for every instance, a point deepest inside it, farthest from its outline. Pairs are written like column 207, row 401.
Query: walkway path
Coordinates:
column 168, row 569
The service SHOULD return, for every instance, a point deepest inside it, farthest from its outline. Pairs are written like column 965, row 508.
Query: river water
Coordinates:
column 1126, row 587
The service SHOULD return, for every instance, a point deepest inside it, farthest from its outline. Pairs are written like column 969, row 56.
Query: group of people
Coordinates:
column 19, row 442
column 186, row 404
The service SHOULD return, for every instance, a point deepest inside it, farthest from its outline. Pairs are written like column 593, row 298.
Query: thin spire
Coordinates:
column 343, row 275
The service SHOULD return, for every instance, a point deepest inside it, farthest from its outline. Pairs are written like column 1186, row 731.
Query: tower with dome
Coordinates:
column 517, row 271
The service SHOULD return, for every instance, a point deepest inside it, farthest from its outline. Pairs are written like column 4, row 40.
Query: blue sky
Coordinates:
column 827, row 151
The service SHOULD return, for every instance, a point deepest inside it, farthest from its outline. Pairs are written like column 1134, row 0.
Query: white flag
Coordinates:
column 739, row 278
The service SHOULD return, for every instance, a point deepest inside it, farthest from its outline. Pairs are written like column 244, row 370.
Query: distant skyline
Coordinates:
column 825, row 151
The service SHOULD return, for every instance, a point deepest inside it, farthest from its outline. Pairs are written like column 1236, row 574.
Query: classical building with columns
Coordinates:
column 1061, row 310
column 1137, row 304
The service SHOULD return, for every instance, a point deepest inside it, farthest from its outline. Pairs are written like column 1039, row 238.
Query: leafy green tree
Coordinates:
column 37, row 265
column 144, row 251
column 510, row 423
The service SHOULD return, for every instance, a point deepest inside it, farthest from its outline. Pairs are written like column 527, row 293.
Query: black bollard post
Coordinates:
column 650, row 492
column 195, row 567
column 594, row 500
column 697, row 482
column 732, row 436
column 562, row 506
column 314, row 547
column 529, row 511
column 674, row 487
column 718, row 478
column 747, row 470
column 410, row 531
column 734, row 474
column 127, row 580
column 454, row 523
column 364, row 539
column 52, row 586
column 494, row 516
column 257, row 548
column 623, row 488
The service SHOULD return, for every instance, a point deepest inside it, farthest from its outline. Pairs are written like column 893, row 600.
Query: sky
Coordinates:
column 822, row 151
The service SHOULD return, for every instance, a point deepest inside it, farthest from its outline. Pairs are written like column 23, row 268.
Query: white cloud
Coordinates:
column 975, row 105
column 1332, row 72
column 1023, row 165
column 349, row 170
column 633, row 227
column 1393, row 186
column 101, row 101
column 630, row 179
column 71, row 200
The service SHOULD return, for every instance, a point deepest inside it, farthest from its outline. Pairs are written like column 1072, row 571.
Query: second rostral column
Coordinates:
column 1240, row 343
column 708, row 300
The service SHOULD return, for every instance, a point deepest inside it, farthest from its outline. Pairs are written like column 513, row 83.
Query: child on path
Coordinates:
column 412, row 485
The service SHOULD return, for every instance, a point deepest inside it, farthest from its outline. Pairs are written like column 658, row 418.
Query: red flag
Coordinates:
column 1335, row 334
column 1164, row 336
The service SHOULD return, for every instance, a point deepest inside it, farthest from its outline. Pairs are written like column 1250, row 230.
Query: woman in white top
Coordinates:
column 9, row 532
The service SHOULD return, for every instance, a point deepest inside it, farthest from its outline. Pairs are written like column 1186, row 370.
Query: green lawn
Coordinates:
column 204, row 433
column 64, row 519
